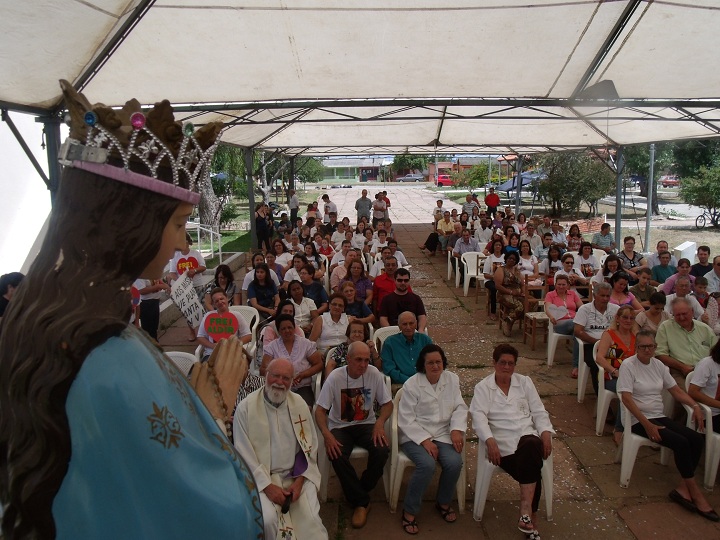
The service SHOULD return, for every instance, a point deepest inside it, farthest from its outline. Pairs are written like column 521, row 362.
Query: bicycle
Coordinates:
column 713, row 216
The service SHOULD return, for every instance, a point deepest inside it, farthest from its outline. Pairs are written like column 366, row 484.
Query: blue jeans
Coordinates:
column 451, row 463
column 566, row 328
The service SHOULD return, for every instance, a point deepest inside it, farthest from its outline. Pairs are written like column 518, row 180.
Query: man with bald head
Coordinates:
column 274, row 432
column 346, row 418
column 400, row 352
column 682, row 341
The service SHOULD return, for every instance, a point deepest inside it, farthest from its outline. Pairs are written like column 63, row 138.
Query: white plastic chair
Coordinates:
column 450, row 267
column 583, row 371
column 381, row 334
column 198, row 353
column 473, row 262
column 604, row 398
column 712, row 439
column 184, row 361
column 399, row 462
column 631, row 443
column 358, row 452
column 599, row 254
column 252, row 318
column 485, row 471
column 552, row 343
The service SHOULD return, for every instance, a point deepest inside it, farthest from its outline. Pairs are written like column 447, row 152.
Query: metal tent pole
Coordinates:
column 620, row 161
column 650, row 191
column 248, row 152
column 518, row 184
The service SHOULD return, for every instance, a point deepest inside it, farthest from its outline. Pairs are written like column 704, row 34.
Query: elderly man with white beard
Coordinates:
column 275, row 434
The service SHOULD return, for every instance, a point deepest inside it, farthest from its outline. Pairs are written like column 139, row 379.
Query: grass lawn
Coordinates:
column 232, row 242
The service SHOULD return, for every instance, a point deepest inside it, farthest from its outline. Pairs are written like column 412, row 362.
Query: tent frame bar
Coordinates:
column 21, row 140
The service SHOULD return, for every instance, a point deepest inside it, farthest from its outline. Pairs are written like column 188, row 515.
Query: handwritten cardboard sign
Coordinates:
column 221, row 326
column 184, row 264
column 187, row 300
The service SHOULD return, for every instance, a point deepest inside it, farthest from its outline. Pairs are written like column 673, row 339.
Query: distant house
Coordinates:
column 360, row 169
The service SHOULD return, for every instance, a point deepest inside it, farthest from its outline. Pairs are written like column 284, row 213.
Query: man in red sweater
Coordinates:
column 492, row 201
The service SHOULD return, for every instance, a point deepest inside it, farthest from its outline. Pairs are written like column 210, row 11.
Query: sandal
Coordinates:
column 408, row 523
column 534, row 535
column 525, row 524
column 574, row 373
column 446, row 513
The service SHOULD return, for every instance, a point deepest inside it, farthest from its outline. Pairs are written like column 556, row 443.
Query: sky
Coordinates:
column 24, row 199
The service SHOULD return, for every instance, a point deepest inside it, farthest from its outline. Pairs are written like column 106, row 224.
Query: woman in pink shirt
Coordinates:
column 560, row 307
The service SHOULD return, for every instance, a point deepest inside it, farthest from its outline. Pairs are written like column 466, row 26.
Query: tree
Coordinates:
column 408, row 162
column 309, row 170
column 472, row 178
column 227, row 181
column 703, row 190
column 573, row 178
column 691, row 156
column 637, row 161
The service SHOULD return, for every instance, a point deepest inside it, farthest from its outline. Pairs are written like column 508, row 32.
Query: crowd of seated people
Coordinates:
column 627, row 305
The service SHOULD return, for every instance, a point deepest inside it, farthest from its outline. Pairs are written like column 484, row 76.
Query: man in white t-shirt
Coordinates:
column 682, row 290
column 393, row 245
column 220, row 303
column 591, row 320
column 339, row 257
column 378, row 244
column 339, row 235
column 346, row 418
column 379, row 266
column 328, row 207
column 299, row 262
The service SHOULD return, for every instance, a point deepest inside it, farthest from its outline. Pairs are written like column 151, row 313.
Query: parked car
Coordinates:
column 411, row 178
column 669, row 180
column 444, row 180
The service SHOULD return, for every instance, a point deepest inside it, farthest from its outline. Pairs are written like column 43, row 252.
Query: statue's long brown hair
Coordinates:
column 101, row 236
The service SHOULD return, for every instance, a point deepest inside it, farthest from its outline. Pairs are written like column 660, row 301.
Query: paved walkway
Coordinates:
column 588, row 502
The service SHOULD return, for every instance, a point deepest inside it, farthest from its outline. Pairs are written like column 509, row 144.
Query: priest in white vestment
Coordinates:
column 275, row 434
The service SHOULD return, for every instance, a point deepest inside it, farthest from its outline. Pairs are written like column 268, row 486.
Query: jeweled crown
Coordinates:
column 151, row 143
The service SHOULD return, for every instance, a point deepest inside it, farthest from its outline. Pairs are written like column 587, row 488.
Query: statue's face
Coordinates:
column 173, row 238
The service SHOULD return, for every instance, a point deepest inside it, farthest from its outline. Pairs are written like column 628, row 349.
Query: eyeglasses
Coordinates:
column 336, row 304
column 506, row 363
column 647, row 347
column 402, row 280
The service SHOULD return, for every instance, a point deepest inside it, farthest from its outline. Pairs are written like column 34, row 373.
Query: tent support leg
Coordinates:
column 620, row 161
column 248, row 152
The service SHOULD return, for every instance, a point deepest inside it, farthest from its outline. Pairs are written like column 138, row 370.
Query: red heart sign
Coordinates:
column 184, row 265
column 221, row 326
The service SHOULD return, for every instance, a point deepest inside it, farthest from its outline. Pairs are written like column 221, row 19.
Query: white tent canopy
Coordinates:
column 324, row 77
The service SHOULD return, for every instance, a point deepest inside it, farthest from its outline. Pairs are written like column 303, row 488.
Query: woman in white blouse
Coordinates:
column 432, row 419
column 512, row 422
column 329, row 329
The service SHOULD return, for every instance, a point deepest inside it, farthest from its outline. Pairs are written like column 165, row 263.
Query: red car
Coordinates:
column 669, row 180
column 444, row 180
